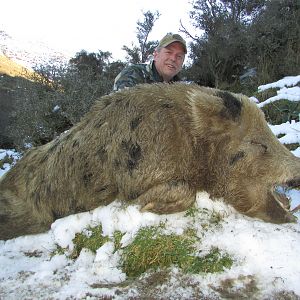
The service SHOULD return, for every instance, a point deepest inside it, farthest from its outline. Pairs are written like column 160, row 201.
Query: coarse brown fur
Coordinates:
column 154, row 145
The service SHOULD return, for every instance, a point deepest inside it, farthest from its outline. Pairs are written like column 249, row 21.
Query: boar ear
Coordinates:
column 220, row 111
column 210, row 103
column 232, row 106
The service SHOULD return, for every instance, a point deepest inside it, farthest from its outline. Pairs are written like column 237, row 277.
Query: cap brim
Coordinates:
column 174, row 41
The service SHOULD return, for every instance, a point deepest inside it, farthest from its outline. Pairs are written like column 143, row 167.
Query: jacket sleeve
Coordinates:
column 128, row 77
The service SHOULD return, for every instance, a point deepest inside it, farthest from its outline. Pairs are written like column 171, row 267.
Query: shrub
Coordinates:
column 281, row 111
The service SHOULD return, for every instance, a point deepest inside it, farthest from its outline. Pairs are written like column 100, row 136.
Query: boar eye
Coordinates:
column 234, row 158
column 263, row 146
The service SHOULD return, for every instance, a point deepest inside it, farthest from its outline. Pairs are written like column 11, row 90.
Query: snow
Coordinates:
column 265, row 251
column 11, row 153
column 287, row 89
column 286, row 81
column 291, row 131
column 264, row 254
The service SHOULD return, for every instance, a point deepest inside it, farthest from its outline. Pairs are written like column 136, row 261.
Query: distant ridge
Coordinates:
column 29, row 53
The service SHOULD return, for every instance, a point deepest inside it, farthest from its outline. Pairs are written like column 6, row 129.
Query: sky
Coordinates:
column 91, row 25
column 266, row 256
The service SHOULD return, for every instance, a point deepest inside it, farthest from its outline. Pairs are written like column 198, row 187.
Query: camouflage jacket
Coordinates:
column 137, row 74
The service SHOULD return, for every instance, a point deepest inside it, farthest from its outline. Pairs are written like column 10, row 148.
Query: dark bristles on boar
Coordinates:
column 156, row 146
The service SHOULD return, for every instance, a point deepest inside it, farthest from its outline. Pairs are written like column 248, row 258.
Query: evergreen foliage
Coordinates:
column 274, row 44
column 145, row 48
column 220, row 52
column 238, row 35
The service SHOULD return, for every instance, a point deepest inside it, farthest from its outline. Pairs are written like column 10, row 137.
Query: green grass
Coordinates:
column 6, row 160
column 117, row 239
column 208, row 218
column 152, row 249
column 91, row 239
column 213, row 262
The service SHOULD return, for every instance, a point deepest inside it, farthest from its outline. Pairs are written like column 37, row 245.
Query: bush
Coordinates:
column 281, row 111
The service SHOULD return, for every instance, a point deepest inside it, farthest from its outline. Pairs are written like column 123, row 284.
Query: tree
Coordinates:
column 274, row 40
column 141, row 53
column 221, row 50
column 93, row 61
column 87, row 78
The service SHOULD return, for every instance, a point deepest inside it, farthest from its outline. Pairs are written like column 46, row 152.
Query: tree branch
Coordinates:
column 185, row 31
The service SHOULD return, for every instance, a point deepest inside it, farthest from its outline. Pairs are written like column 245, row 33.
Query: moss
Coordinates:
column 192, row 212
column 214, row 217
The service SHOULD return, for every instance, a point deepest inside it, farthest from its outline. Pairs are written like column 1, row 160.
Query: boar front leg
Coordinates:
column 167, row 197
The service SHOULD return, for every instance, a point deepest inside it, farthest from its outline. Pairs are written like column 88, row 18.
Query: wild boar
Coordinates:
column 156, row 146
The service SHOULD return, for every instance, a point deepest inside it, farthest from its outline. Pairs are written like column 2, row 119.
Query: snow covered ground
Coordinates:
column 266, row 256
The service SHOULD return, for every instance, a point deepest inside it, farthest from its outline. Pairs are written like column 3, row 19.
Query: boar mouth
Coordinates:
column 279, row 192
column 293, row 183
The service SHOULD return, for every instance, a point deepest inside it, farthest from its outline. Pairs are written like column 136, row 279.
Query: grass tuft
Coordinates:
column 153, row 250
column 7, row 159
column 58, row 251
column 213, row 262
column 117, row 239
column 90, row 238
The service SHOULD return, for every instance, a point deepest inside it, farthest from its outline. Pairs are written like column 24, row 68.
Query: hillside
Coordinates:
column 18, row 58
column 7, row 101
column 12, row 77
column 11, row 73
column 11, row 68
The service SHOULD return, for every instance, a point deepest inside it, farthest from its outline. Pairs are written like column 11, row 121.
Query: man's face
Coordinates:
column 169, row 60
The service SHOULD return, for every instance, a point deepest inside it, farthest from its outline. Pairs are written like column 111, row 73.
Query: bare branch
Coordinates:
column 185, row 31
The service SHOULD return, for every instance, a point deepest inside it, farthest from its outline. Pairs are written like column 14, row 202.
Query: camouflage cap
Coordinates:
column 171, row 38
